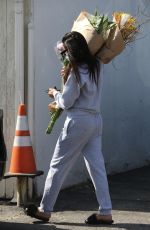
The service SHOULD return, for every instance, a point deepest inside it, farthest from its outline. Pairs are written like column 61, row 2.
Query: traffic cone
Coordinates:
column 22, row 159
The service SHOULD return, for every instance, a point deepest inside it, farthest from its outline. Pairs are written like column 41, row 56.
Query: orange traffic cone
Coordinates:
column 22, row 160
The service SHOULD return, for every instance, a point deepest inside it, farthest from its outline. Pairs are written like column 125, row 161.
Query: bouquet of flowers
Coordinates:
column 55, row 111
column 127, row 25
column 123, row 33
column 94, row 28
column 106, row 39
column 101, row 23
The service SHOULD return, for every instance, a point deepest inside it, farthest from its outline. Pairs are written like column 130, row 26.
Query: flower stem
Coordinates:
column 54, row 116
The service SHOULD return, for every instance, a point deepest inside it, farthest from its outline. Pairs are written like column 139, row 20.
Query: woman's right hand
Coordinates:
column 64, row 71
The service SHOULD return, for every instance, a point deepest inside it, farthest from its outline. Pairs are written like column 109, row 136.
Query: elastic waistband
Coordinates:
column 80, row 111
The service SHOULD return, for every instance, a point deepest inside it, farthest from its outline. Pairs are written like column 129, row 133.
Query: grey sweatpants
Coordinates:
column 81, row 135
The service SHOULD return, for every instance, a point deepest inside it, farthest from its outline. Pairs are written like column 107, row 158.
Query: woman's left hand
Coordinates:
column 51, row 92
column 52, row 107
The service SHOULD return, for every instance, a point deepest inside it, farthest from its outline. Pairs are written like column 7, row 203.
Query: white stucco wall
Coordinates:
column 126, row 91
column 7, row 83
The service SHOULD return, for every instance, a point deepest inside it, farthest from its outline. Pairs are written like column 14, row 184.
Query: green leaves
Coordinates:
column 65, row 60
column 101, row 23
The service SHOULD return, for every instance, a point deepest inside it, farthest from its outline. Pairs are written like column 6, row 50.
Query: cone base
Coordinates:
column 31, row 175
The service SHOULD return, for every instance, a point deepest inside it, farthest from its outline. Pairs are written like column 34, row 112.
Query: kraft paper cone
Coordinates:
column 83, row 26
column 114, row 46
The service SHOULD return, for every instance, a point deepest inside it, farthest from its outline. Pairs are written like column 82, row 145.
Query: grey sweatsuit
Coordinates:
column 81, row 134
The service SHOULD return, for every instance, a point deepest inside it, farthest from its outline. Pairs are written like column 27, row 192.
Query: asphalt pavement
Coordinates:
column 130, row 193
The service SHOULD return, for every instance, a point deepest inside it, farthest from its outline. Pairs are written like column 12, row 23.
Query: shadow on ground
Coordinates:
column 24, row 226
column 130, row 191
column 40, row 226
column 114, row 226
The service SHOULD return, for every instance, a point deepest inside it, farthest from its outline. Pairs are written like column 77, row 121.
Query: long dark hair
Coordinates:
column 79, row 54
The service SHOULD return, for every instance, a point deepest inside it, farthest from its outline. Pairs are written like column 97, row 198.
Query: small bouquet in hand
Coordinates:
column 55, row 111
column 123, row 33
column 94, row 28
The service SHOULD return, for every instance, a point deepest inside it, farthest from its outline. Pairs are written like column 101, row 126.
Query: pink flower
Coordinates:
column 60, row 47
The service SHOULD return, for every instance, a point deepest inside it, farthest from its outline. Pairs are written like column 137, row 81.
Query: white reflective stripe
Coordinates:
column 22, row 123
column 22, row 141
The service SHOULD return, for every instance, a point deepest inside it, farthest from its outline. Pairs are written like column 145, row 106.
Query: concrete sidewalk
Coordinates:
column 130, row 194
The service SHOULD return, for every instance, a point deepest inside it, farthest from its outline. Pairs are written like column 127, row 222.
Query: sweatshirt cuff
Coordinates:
column 55, row 94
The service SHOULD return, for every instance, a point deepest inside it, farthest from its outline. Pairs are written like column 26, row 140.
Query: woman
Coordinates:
column 82, row 130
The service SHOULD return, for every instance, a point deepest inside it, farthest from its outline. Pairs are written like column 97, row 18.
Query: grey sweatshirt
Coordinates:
column 85, row 96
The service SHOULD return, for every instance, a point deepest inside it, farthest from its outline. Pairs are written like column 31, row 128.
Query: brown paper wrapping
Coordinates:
column 83, row 26
column 114, row 46
column 52, row 107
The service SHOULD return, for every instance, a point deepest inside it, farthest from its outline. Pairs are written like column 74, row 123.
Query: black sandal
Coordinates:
column 33, row 211
column 94, row 221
